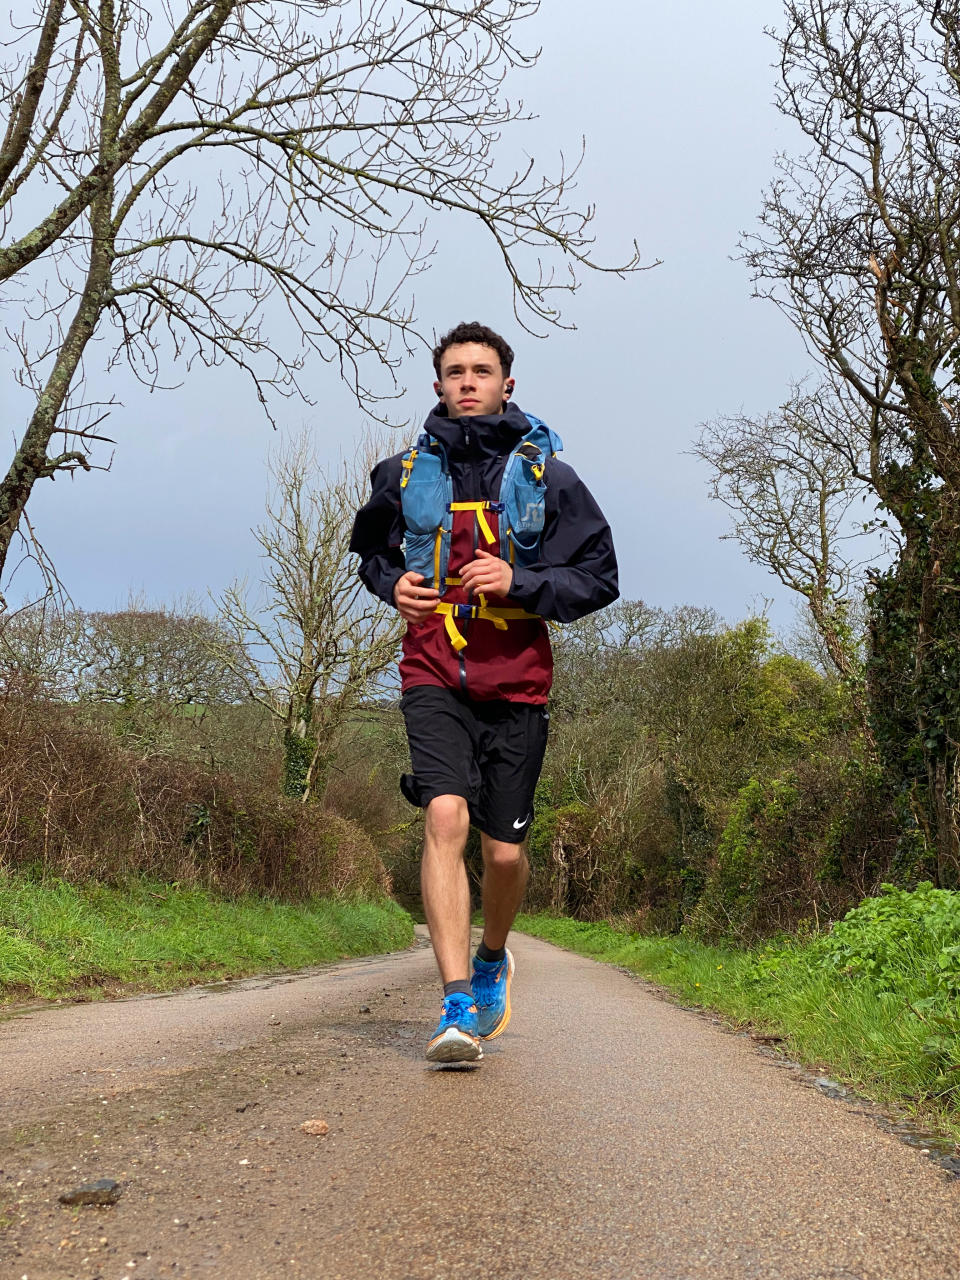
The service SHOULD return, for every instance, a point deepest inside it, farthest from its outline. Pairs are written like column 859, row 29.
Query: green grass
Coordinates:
column 61, row 939
column 894, row 1039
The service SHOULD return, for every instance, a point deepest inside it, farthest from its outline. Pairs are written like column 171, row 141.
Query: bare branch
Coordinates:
column 792, row 479
column 21, row 119
column 219, row 169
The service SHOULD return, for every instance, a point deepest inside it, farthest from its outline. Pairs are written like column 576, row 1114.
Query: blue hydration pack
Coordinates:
column 426, row 499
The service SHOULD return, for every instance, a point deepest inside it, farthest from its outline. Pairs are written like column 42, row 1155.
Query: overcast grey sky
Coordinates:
column 675, row 103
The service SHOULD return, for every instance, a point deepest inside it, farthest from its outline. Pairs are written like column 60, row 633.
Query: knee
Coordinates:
column 504, row 857
column 448, row 818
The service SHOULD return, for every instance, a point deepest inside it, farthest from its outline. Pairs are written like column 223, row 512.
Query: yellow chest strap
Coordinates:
column 486, row 613
column 479, row 508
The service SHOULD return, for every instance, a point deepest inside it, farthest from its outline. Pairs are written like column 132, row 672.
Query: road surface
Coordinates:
column 607, row 1134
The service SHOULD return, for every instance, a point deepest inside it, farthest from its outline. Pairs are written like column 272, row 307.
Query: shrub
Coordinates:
column 76, row 802
column 915, row 932
column 896, row 954
column 801, row 847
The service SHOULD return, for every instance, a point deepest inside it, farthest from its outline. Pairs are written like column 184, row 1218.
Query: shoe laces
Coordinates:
column 456, row 1005
column 485, row 981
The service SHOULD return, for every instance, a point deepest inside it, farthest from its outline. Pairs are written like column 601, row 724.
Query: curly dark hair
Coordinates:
column 473, row 331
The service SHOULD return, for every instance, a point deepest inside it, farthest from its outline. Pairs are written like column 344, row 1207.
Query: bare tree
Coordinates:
column 166, row 657
column 149, row 674
column 39, row 644
column 792, row 490
column 318, row 646
column 175, row 178
column 860, row 246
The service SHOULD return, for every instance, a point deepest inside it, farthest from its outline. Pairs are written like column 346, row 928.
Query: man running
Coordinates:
column 478, row 535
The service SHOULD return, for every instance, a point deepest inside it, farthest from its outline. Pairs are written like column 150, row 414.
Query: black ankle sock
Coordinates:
column 488, row 955
column 461, row 988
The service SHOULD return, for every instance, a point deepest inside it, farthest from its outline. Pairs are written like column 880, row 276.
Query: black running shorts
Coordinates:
column 491, row 753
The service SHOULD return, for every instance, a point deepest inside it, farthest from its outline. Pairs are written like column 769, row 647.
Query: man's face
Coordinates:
column 472, row 380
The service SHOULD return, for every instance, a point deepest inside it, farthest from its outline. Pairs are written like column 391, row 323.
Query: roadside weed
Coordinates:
column 61, row 939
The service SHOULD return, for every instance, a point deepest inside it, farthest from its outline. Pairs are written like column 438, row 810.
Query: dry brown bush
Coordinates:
column 609, row 855
column 368, row 794
column 363, row 787
column 76, row 802
column 349, row 862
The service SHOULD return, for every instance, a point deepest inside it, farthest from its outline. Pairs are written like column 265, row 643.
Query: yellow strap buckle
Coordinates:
column 486, row 613
column 407, row 465
column 454, row 636
column 478, row 508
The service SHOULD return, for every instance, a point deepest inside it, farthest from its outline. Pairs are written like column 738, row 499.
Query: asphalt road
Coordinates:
column 606, row 1134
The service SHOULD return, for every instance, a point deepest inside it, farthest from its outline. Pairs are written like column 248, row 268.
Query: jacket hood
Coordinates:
column 488, row 435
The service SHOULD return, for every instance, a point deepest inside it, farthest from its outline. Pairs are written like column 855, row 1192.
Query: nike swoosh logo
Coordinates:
column 522, row 823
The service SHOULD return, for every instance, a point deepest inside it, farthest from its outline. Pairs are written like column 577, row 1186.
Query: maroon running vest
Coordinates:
column 515, row 665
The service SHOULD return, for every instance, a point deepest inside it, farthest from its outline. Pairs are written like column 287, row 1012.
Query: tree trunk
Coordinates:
column 299, row 749
column 560, row 887
column 944, row 797
column 31, row 461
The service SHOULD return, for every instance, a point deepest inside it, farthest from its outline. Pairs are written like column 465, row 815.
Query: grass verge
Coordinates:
column 61, row 939
column 893, row 1036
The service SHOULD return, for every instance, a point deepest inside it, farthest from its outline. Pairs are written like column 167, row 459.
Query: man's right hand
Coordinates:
column 414, row 601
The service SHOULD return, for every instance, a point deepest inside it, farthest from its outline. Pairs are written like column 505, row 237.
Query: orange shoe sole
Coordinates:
column 501, row 1026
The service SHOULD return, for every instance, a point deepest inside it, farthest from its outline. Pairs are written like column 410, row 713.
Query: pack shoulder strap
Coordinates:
column 424, row 445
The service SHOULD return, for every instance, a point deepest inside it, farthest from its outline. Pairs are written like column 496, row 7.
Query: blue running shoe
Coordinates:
column 456, row 1038
column 491, row 990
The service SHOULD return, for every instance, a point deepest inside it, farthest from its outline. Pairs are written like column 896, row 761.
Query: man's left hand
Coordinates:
column 488, row 574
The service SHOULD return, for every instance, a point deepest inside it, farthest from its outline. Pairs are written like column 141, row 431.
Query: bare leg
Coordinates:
column 505, row 875
column 443, row 884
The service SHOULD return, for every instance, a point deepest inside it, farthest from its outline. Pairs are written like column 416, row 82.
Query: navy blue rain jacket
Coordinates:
column 577, row 570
